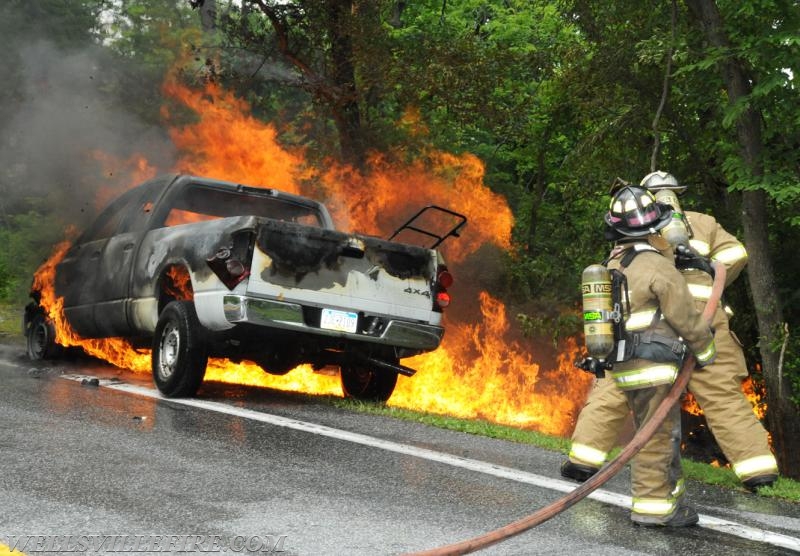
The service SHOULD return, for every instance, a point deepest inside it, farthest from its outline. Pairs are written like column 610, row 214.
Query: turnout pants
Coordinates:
column 718, row 390
column 656, row 475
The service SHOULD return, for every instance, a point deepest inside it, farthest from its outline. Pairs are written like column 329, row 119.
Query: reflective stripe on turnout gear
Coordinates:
column 711, row 240
column 654, row 506
column 640, row 319
column 586, row 454
column 707, row 355
column 730, row 255
column 703, row 293
column 700, row 291
column 660, row 506
column 701, row 247
column 680, row 488
column 759, row 465
column 645, row 376
column 728, row 310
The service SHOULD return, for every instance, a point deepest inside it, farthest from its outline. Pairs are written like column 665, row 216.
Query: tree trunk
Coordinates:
column 337, row 87
column 208, row 14
column 346, row 112
column 537, row 191
column 396, row 19
column 783, row 416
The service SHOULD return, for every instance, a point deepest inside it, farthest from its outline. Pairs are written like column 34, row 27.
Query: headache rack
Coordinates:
column 453, row 230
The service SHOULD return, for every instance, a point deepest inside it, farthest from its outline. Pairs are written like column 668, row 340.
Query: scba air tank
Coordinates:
column 676, row 232
column 597, row 311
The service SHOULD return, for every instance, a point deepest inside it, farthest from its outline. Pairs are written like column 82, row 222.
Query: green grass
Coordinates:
column 11, row 323
column 470, row 426
column 784, row 488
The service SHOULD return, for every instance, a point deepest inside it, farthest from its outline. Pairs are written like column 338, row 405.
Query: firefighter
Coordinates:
column 660, row 323
column 717, row 387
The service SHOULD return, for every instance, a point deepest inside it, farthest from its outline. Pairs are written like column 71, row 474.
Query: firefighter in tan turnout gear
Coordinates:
column 717, row 387
column 657, row 311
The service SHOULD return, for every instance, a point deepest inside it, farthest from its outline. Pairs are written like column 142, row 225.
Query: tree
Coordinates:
column 148, row 38
column 319, row 41
column 783, row 417
column 490, row 78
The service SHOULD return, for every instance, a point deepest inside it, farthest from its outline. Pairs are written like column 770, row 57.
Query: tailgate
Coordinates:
column 330, row 269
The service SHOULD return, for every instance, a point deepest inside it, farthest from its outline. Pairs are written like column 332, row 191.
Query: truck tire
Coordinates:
column 179, row 353
column 363, row 383
column 40, row 334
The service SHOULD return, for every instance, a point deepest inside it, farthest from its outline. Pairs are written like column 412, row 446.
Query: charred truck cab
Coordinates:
column 197, row 267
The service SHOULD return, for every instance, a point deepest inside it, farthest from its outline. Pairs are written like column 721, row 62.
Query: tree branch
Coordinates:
column 780, row 358
column 282, row 35
column 664, row 89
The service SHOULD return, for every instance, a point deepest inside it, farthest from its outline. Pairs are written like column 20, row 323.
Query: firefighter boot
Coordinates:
column 753, row 483
column 683, row 516
column 577, row 471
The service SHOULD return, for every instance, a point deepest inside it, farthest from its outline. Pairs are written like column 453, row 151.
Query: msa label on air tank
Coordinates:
column 596, row 288
column 592, row 316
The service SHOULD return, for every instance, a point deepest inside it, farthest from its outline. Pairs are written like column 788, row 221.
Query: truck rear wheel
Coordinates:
column 41, row 338
column 179, row 355
column 362, row 383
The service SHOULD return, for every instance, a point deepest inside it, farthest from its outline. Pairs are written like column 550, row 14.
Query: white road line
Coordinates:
column 722, row 525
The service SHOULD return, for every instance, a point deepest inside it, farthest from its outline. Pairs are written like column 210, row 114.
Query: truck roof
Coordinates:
column 179, row 181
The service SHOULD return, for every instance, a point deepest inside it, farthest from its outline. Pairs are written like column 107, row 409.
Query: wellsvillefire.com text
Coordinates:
column 139, row 544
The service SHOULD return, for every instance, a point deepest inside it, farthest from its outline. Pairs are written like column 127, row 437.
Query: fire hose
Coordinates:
column 605, row 473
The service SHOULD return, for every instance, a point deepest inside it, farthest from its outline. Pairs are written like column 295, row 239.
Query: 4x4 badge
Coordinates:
column 426, row 293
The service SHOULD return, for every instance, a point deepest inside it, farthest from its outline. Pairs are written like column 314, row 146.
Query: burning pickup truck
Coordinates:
column 195, row 268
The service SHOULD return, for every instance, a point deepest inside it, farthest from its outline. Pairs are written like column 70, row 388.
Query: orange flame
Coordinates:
column 755, row 397
column 478, row 372
column 116, row 351
column 444, row 179
column 180, row 283
column 227, row 142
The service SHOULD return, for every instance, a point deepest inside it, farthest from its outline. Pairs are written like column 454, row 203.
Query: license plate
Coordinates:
column 343, row 321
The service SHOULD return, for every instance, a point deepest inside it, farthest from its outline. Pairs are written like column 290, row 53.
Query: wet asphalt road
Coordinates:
column 79, row 459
